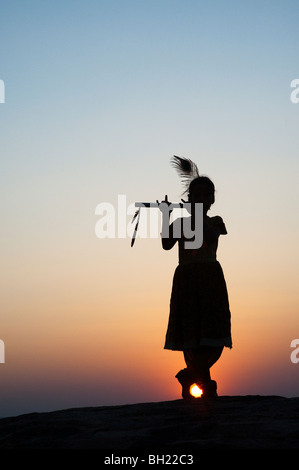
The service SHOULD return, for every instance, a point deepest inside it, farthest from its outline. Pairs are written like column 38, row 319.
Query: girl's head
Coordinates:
column 199, row 188
column 202, row 189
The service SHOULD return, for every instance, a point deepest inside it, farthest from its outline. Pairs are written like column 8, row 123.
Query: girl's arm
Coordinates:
column 167, row 235
column 212, row 233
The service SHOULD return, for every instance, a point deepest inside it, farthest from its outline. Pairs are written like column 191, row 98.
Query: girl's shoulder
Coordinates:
column 217, row 221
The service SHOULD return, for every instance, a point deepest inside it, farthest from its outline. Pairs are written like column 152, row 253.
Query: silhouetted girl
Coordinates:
column 199, row 320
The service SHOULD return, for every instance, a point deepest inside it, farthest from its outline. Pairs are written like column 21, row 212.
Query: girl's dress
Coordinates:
column 199, row 305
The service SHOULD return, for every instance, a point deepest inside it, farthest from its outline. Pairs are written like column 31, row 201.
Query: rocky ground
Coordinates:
column 227, row 422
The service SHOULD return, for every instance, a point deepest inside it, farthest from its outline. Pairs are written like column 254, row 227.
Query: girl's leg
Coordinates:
column 199, row 361
column 197, row 364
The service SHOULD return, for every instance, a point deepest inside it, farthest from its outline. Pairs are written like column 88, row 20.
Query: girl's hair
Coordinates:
column 189, row 174
column 204, row 180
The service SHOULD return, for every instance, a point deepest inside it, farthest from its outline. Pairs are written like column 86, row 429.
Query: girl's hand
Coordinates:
column 168, row 241
column 164, row 206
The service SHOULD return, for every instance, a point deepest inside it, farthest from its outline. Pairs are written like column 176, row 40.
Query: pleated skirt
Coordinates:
column 199, row 308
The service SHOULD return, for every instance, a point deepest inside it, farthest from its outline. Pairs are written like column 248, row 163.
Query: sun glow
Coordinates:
column 195, row 391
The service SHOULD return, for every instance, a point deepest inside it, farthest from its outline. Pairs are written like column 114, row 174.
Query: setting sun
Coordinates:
column 195, row 391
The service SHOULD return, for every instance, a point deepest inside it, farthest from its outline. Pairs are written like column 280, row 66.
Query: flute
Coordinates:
column 174, row 205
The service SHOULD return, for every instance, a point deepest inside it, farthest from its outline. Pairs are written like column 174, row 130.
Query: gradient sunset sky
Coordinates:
column 99, row 94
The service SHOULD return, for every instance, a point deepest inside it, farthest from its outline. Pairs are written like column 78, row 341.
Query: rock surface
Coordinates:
column 227, row 422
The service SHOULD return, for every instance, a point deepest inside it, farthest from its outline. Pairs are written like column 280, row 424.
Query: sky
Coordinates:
column 98, row 95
